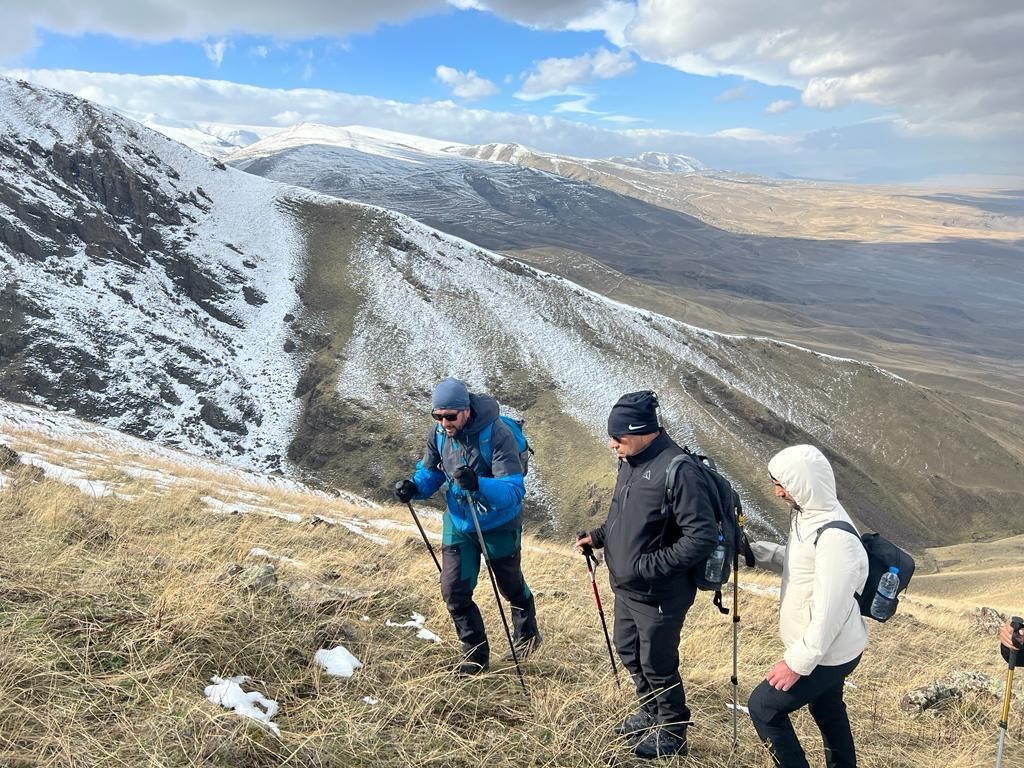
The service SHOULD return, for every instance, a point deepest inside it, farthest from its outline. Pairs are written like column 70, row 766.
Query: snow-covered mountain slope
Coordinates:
column 147, row 288
column 143, row 284
column 214, row 139
column 665, row 162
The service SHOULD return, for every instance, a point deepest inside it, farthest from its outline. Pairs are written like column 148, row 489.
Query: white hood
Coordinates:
column 819, row 618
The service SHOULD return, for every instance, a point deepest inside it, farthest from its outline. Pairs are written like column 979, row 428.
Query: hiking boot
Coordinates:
column 635, row 723
column 524, row 647
column 470, row 667
column 661, row 742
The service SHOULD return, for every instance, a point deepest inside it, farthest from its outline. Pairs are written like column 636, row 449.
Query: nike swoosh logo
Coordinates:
column 637, row 426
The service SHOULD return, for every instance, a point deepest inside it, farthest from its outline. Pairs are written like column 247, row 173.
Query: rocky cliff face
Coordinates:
column 129, row 293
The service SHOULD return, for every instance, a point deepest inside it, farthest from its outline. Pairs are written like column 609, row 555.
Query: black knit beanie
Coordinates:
column 636, row 413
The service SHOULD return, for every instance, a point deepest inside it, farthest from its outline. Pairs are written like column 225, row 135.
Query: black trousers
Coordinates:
column 460, row 569
column 647, row 640
column 822, row 690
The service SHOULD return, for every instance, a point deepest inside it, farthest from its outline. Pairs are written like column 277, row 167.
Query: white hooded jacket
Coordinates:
column 819, row 618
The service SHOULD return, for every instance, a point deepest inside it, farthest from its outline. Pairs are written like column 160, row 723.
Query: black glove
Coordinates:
column 465, row 478
column 405, row 490
column 588, row 549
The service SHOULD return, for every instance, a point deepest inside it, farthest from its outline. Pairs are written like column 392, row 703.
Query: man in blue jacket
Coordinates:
column 467, row 432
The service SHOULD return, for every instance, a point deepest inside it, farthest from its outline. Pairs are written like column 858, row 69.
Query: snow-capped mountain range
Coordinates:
column 154, row 290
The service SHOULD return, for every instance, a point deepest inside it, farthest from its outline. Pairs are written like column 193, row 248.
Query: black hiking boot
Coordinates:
column 635, row 724
column 470, row 667
column 661, row 742
column 475, row 659
column 524, row 647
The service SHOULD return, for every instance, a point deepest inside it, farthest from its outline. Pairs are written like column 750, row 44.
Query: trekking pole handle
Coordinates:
column 1016, row 624
column 588, row 550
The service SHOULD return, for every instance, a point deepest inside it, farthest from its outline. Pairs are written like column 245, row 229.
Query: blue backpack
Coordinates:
column 486, row 451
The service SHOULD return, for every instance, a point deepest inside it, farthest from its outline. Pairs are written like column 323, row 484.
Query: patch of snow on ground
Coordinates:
column 338, row 661
column 264, row 554
column 95, row 488
column 357, row 528
column 416, row 621
column 228, row 693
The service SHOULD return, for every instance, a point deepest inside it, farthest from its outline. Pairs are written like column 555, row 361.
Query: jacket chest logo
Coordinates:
column 646, row 475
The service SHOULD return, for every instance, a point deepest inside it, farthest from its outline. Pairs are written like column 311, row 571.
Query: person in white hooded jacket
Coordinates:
column 819, row 617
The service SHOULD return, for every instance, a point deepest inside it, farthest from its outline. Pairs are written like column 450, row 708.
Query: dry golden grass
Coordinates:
column 115, row 613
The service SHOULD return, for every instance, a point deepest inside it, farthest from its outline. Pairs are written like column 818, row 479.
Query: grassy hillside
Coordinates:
column 116, row 611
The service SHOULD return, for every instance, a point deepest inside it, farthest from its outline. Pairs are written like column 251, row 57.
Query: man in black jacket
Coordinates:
column 650, row 553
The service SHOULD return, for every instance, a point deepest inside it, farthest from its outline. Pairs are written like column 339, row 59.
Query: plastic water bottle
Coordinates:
column 884, row 604
column 713, row 569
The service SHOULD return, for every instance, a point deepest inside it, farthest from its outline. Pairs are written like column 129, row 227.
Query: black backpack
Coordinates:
column 882, row 553
column 728, row 516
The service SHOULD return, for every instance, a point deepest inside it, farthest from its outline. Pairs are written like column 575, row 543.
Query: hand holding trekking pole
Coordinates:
column 586, row 548
column 1012, row 640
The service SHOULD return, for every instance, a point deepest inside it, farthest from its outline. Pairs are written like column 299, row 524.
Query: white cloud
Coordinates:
column 612, row 18
column 289, row 117
column 943, row 65
column 260, row 51
column 557, row 76
column 732, row 94
column 624, row 119
column 215, row 51
column 580, row 106
column 466, row 85
column 160, row 21
column 779, row 106
column 554, row 14
column 875, row 151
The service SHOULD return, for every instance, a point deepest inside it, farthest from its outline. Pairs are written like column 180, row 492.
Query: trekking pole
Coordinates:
column 424, row 535
column 1015, row 624
column 497, row 597
column 736, row 628
column 588, row 553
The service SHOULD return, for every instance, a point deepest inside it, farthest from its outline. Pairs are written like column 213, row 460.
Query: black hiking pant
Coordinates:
column 460, row 570
column 647, row 640
column 822, row 690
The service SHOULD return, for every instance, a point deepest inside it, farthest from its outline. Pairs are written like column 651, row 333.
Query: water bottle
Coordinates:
column 713, row 569
column 884, row 604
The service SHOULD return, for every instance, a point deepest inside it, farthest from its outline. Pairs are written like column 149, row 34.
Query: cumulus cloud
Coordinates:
column 779, row 106
column 160, row 21
column 468, row 86
column 557, row 76
column 877, row 151
column 943, row 65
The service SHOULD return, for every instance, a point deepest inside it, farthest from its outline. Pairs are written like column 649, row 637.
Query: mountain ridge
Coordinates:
column 331, row 339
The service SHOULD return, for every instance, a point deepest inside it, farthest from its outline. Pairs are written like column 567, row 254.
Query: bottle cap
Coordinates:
column 893, row 569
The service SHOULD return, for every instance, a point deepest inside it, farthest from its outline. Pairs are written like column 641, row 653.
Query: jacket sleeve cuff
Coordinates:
column 800, row 662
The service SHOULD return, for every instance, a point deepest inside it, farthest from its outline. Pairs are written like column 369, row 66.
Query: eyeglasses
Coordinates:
column 776, row 482
column 445, row 416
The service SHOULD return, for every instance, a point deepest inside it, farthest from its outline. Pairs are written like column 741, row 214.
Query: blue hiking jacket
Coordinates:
column 501, row 482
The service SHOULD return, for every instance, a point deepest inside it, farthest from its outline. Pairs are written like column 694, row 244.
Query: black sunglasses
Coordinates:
column 445, row 416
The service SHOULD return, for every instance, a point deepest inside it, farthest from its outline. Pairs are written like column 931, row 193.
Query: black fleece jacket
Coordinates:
column 650, row 554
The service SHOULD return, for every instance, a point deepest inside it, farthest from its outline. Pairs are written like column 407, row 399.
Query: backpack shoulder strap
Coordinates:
column 670, row 480
column 842, row 525
column 484, row 443
column 439, row 438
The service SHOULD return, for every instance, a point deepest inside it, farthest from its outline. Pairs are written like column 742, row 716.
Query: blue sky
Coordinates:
column 857, row 93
